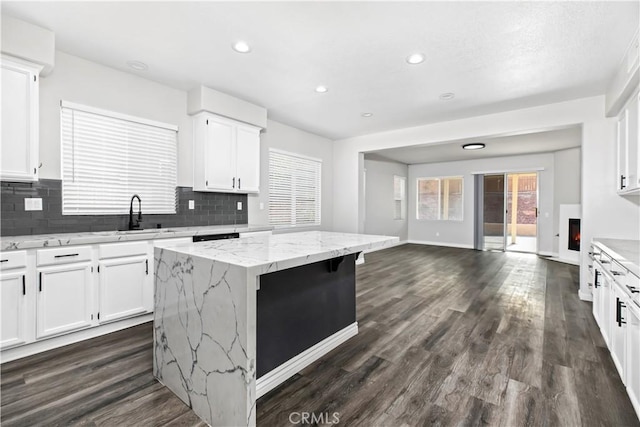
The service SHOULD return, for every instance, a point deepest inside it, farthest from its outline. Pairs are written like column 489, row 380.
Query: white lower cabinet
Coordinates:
column 65, row 299
column 13, row 307
column 124, row 287
column 633, row 355
column 618, row 329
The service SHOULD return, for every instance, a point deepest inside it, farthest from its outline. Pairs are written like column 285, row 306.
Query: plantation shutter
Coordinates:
column 294, row 189
column 108, row 157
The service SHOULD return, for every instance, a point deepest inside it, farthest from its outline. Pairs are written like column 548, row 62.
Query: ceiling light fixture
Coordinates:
column 137, row 65
column 322, row 89
column 367, row 114
column 473, row 146
column 241, row 47
column 416, row 58
column 448, row 96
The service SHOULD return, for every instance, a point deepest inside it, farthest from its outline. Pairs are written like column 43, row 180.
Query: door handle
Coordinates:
column 24, row 285
column 146, row 261
column 40, row 282
column 233, row 182
column 239, row 183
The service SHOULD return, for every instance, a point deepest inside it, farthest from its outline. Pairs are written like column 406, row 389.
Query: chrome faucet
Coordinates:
column 135, row 225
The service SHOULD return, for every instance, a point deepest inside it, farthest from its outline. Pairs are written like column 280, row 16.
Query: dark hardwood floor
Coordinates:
column 447, row 337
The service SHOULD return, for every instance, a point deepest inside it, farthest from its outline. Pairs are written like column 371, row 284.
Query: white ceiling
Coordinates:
column 538, row 142
column 494, row 56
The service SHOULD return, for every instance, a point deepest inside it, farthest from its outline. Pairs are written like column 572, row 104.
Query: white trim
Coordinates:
column 585, row 296
column 301, row 156
column 503, row 171
column 444, row 244
column 277, row 376
column 60, row 341
column 548, row 254
column 116, row 115
column 564, row 261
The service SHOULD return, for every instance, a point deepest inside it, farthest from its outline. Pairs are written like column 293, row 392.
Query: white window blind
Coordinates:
column 108, row 157
column 294, row 189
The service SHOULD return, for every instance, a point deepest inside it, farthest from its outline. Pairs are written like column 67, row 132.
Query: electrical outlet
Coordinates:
column 239, row 206
column 437, row 233
column 192, row 204
column 261, row 206
column 33, row 204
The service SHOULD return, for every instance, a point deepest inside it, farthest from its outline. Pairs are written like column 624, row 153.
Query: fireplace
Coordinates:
column 574, row 234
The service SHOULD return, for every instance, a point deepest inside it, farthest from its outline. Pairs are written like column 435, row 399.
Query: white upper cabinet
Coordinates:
column 19, row 144
column 628, row 142
column 226, row 155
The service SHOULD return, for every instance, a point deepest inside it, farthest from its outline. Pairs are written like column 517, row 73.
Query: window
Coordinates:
column 294, row 189
column 108, row 157
column 440, row 198
column 399, row 197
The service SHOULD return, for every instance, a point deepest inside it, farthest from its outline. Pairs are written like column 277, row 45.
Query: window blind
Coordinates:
column 294, row 189
column 108, row 157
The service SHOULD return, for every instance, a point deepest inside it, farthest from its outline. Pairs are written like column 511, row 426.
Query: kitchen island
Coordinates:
column 235, row 318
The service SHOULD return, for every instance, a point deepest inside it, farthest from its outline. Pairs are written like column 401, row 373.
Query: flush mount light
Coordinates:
column 137, row 65
column 473, row 146
column 367, row 114
column 241, row 47
column 416, row 58
column 322, row 89
column 448, row 96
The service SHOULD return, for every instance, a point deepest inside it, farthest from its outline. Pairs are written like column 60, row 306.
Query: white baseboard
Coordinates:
column 448, row 245
column 565, row 261
column 548, row 254
column 277, row 376
column 399, row 243
column 49, row 344
column 585, row 296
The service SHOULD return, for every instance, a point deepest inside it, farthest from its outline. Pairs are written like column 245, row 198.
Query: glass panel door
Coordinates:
column 522, row 212
column 494, row 212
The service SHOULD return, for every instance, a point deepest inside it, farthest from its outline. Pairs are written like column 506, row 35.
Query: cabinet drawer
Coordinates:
column 63, row 255
column 13, row 259
column 117, row 250
column 632, row 283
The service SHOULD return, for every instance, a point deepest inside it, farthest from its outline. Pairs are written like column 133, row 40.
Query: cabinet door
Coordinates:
column 618, row 329
column 605, row 308
column 220, row 156
column 597, row 294
column 19, row 144
column 633, row 180
column 621, row 178
column 64, row 299
column 633, row 357
column 248, row 159
column 123, row 287
column 13, row 308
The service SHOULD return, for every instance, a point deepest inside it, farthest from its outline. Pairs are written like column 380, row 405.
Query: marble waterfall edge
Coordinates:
column 201, row 329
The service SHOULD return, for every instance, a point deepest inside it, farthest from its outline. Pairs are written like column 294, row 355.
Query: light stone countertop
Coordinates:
column 66, row 239
column 268, row 253
column 626, row 252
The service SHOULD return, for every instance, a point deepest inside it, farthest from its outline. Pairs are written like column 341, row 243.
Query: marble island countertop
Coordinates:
column 626, row 252
column 264, row 254
column 8, row 243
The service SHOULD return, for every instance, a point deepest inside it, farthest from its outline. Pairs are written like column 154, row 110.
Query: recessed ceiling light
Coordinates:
column 241, row 47
column 322, row 89
column 448, row 96
column 416, row 58
column 367, row 114
column 137, row 65
column 473, row 146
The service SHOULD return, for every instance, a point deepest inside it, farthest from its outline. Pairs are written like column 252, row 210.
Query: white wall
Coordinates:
column 287, row 138
column 78, row 80
column 379, row 199
column 461, row 233
column 567, row 188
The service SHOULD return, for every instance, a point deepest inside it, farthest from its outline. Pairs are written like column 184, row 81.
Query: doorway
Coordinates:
column 509, row 212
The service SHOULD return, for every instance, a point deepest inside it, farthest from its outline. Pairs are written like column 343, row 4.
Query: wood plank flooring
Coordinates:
column 447, row 337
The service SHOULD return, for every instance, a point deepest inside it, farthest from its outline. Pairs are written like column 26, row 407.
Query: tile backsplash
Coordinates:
column 210, row 209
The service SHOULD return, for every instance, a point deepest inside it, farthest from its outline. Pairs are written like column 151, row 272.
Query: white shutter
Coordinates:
column 294, row 189
column 108, row 157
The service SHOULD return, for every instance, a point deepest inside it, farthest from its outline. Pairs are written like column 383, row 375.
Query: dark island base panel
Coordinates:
column 301, row 306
